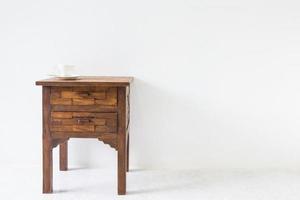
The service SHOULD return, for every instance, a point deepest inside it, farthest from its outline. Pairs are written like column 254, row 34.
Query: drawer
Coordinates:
column 91, row 99
column 87, row 122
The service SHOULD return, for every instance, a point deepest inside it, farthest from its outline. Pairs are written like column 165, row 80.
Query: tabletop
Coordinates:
column 117, row 81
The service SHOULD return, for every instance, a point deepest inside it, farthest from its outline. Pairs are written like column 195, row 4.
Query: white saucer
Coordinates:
column 70, row 77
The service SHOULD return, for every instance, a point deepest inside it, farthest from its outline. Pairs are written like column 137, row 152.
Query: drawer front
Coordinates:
column 83, row 122
column 91, row 99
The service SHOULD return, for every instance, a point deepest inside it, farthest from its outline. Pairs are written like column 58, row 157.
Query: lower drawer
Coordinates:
column 83, row 122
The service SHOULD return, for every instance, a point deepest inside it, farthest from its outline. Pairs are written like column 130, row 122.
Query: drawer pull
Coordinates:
column 84, row 94
column 83, row 121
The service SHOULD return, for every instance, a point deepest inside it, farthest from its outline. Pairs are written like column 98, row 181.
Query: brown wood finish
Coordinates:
column 57, row 141
column 127, row 152
column 122, row 141
column 47, row 144
column 102, row 81
column 83, row 121
column 63, row 156
column 84, row 108
column 127, row 125
column 91, row 107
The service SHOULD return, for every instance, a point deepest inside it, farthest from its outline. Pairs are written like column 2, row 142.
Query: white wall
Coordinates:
column 217, row 82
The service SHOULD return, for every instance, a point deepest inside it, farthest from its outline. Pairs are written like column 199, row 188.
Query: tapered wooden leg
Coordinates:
column 63, row 156
column 47, row 166
column 122, row 171
column 122, row 150
column 127, row 152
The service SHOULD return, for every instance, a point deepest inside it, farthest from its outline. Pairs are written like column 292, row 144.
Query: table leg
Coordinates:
column 47, row 166
column 127, row 157
column 121, row 140
column 122, row 169
column 63, row 156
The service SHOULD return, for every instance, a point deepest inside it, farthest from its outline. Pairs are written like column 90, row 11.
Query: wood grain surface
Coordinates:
column 88, row 81
column 91, row 107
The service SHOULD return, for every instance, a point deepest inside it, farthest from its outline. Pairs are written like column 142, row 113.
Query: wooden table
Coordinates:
column 90, row 107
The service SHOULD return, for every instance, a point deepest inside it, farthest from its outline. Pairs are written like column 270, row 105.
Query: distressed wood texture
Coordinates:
column 83, row 122
column 122, row 145
column 84, row 98
column 116, row 81
column 127, row 125
column 47, row 144
column 63, row 156
column 91, row 107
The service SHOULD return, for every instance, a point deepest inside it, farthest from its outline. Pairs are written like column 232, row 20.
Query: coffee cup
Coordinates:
column 65, row 70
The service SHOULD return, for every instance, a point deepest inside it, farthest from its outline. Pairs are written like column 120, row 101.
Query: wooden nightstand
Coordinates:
column 90, row 107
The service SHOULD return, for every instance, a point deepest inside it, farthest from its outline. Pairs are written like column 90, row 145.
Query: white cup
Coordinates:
column 65, row 70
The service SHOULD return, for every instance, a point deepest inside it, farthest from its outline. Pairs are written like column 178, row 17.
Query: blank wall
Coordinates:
column 217, row 82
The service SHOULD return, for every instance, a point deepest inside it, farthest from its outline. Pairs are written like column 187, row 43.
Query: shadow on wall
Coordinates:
column 166, row 127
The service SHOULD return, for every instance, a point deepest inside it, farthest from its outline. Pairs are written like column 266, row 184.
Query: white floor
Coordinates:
column 79, row 183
